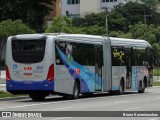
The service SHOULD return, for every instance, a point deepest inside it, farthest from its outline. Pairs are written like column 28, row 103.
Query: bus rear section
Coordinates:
column 28, row 69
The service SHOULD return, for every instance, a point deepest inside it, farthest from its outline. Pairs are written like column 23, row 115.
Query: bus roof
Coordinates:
column 90, row 39
column 129, row 42
column 114, row 41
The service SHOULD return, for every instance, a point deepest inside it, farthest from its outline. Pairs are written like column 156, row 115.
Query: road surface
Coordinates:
column 132, row 101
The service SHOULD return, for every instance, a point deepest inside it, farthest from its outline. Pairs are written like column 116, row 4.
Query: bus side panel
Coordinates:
column 118, row 72
column 71, row 71
column 64, row 82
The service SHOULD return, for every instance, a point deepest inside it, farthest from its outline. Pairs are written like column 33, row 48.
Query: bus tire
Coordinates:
column 35, row 96
column 112, row 92
column 121, row 88
column 142, row 89
column 76, row 90
column 65, row 96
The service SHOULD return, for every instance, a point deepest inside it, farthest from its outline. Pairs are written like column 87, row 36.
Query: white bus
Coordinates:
column 69, row 65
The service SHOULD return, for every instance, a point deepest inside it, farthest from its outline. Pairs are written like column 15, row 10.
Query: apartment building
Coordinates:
column 78, row 8
column 56, row 11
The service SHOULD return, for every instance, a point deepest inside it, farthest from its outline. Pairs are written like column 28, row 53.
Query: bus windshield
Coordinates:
column 28, row 51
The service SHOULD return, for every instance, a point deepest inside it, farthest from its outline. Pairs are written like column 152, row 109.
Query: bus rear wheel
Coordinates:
column 37, row 96
column 76, row 90
column 121, row 88
column 142, row 87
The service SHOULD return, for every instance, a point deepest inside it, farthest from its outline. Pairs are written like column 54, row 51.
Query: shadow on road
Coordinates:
column 53, row 98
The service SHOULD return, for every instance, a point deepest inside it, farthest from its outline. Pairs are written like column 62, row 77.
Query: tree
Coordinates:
column 64, row 24
column 9, row 28
column 147, row 32
column 117, row 21
column 152, row 3
column 156, row 47
column 90, row 20
column 60, row 24
column 151, row 33
column 31, row 12
column 95, row 30
column 133, row 12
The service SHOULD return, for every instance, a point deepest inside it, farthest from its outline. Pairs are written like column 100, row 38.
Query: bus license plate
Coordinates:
column 26, row 75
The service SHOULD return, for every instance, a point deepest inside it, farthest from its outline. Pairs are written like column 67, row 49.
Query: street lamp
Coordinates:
column 106, row 10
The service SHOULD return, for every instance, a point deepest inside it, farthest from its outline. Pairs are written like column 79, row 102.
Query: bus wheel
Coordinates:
column 76, row 90
column 142, row 87
column 67, row 96
column 120, row 91
column 37, row 96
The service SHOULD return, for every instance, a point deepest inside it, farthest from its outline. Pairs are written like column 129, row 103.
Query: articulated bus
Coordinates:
column 74, row 64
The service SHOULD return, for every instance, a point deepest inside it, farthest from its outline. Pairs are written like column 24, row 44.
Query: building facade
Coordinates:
column 78, row 8
column 56, row 11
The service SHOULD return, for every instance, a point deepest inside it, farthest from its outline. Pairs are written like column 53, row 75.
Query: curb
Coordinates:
column 13, row 98
column 2, row 85
column 155, row 86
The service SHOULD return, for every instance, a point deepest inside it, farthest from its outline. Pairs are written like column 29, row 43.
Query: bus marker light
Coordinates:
column 7, row 74
column 50, row 76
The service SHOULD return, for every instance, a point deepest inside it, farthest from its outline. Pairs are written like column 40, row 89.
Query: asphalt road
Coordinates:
column 131, row 101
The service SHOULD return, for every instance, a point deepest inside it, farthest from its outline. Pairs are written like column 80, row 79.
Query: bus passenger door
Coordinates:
column 98, row 53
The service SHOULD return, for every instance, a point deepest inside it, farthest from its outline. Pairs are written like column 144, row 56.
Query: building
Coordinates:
column 78, row 8
column 56, row 11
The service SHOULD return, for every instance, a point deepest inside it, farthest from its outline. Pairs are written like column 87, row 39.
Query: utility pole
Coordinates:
column 145, row 19
column 106, row 10
column 107, row 20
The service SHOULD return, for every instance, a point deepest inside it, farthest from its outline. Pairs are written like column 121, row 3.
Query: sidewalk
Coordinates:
column 2, row 87
column 2, row 77
column 3, row 80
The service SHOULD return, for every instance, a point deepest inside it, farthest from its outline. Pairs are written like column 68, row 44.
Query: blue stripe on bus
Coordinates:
column 115, row 87
column 29, row 85
column 86, row 77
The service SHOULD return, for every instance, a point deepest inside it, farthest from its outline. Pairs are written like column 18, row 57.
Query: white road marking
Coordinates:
column 61, row 108
column 32, row 105
column 131, row 108
column 154, row 119
column 120, row 102
column 61, row 118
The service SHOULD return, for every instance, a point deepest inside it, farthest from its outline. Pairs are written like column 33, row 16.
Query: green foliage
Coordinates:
column 114, row 33
column 156, row 83
column 116, row 21
column 151, row 3
column 60, row 24
column 95, row 30
column 156, row 48
column 4, row 94
column 133, row 12
column 151, row 33
column 9, row 28
column 147, row 32
column 64, row 24
column 126, row 35
column 90, row 20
